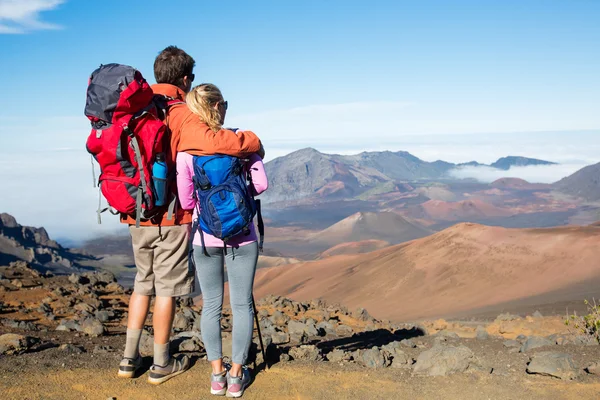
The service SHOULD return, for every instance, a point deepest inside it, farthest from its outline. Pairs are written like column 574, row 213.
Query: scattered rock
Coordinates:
column 92, row 327
column 181, row 322
column 362, row 315
column 402, row 360
column 507, row 317
column 537, row 314
column 104, row 315
column 84, row 307
column 374, row 358
column 192, row 345
column 68, row 326
column 114, row 288
column 11, row 343
column 593, row 369
column 439, row 325
column 102, row 349
column 71, row 349
column 511, row 344
column 558, row 365
column 344, row 330
column 17, row 283
column 306, row 353
column 585, row 340
column 279, row 319
column 146, row 344
column 280, row 338
column 338, row 356
column 444, row 360
column 481, row 333
column 77, row 279
column 535, row 342
column 327, row 328
column 408, row 343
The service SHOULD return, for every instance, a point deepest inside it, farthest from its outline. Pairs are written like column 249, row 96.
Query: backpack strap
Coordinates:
column 93, row 171
column 142, row 188
column 261, row 223
column 261, row 226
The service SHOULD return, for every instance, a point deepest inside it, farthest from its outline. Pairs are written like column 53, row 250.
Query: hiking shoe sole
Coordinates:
column 178, row 366
column 129, row 369
column 158, row 379
column 219, row 392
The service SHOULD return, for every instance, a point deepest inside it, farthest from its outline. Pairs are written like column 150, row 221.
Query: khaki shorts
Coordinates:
column 161, row 258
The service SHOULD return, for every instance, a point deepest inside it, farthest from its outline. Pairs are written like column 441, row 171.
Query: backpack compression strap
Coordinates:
column 142, row 188
column 261, row 226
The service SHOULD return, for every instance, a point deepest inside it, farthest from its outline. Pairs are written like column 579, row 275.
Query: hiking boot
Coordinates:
column 237, row 384
column 218, row 383
column 176, row 366
column 129, row 366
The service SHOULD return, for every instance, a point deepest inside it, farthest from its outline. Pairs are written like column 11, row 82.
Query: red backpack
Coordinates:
column 127, row 134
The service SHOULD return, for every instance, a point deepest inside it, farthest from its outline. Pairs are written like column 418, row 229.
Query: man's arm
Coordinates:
column 196, row 138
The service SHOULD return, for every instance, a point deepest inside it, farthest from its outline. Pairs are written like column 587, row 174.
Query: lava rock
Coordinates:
column 306, row 353
column 558, row 365
column 593, row 369
column 445, row 360
column 279, row 319
column 374, row 358
column 182, row 323
column 92, row 327
column 344, row 330
column 193, row 345
column 534, row 342
column 280, row 338
column 481, row 333
column 146, row 343
column 68, row 326
column 102, row 349
column 338, row 355
column 71, row 349
column 11, row 343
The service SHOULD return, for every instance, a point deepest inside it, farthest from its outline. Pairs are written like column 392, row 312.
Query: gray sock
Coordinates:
column 132, row 343
column 161, row 354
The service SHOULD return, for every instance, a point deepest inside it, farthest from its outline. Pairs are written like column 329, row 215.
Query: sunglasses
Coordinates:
column 224, row 104
column 191, row 77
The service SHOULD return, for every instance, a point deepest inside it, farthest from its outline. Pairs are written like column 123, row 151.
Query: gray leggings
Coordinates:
column 241, row 265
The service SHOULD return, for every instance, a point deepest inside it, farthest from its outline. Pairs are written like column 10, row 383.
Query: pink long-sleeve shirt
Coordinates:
column 185, row 187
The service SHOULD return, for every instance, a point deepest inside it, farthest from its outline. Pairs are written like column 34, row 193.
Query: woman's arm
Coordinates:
column 259, row 176
column 185, row 183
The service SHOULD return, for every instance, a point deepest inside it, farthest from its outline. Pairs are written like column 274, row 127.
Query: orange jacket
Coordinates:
column 190, row 134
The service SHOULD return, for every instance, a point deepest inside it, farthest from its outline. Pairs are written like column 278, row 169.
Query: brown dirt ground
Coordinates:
column 53, row 374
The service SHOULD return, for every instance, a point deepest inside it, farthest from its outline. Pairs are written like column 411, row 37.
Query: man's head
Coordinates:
column 175, row 67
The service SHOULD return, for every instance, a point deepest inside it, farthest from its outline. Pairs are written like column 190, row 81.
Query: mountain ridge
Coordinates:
column 308, row 173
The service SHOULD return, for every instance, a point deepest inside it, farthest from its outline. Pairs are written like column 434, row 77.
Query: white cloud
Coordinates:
column 532, row 174
column 22, row 16
column 376, row 124
column 46, row 179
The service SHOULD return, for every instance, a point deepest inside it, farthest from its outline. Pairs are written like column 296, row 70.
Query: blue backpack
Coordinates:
column 227, row 206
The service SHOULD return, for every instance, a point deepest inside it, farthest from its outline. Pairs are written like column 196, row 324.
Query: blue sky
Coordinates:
column 341, row 76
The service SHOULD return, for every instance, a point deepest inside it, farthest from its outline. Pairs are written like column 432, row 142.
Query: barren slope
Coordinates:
column 464, row 267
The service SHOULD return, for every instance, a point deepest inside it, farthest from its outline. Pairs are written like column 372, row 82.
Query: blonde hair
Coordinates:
column 201, row 101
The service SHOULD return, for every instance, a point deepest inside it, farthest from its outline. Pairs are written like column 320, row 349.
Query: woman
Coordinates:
column 240, row 255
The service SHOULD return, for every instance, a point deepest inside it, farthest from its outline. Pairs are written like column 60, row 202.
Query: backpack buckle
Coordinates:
column 127, row 130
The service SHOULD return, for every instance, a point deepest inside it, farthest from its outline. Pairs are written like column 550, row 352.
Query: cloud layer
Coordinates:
column 46, row 178
column 532, row 174
column 23, row 16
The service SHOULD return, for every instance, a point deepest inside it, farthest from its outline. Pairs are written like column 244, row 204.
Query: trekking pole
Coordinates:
column 262, row 347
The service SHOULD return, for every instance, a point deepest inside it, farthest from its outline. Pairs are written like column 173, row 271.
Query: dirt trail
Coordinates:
column 291, row 381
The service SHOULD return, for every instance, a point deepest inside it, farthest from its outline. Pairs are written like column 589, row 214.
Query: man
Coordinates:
column 160, row 245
